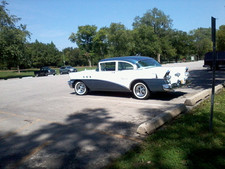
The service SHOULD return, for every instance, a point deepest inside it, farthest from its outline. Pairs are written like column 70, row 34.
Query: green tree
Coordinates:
column 119, row 40
column 221, row 38
column 12, row 39
column 183, row 43
column 156, row 19
column 101, row 43
column 146, row 42
column 161, row 25
column 167, row 49
column 201, row 41
column 42, row 54
column 73, row 57
column 84, row 40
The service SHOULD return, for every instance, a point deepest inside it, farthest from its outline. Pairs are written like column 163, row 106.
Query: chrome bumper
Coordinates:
column 171, row 87
column 167, row 88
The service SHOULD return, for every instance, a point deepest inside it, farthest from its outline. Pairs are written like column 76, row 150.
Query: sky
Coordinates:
column 54, row 20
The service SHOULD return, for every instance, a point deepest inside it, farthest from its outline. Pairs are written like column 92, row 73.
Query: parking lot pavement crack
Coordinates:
column 19, row 129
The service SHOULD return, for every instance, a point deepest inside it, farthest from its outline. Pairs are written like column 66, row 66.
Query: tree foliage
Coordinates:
column 100, row 41
column 41, row 54
column 12, row 39
column 161, row 25
column 183, row 43
column 221, row 38
column 152, row 35
column 84, row 39
column 73, row 57
column 119, row 40
column 146, row 42
column 156, row 19
column 201, row 41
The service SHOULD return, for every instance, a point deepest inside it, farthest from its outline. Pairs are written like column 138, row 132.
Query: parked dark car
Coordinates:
column 220, row 60
column 66, row 69
column 45, row 71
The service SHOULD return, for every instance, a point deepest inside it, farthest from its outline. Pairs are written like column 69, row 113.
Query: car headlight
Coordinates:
column 186, row 72
column 167, row 76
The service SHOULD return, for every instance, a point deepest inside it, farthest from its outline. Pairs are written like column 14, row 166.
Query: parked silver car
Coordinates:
column 66, row 69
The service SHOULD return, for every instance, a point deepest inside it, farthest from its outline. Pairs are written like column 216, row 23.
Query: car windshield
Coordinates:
column 148, row 63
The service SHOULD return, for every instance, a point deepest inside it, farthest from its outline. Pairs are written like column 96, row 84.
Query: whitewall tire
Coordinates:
column 140, row 91
column 80, row 88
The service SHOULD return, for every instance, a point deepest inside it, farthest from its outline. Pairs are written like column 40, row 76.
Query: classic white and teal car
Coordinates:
column 137, row 74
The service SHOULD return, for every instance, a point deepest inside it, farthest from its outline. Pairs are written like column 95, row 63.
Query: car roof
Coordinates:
column 132, row 59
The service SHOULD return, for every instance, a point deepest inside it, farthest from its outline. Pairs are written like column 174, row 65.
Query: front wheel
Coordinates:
column 80, row 88
column 141, row 91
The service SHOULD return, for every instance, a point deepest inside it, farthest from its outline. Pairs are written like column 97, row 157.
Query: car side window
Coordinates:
column 125, row 66
column 108, row 66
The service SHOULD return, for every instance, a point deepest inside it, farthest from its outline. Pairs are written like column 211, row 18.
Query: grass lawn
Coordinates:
column 86, row 67
column 7, row 74
column 184, row 143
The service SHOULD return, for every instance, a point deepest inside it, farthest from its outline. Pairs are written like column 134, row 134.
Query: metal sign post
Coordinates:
column 213, row 22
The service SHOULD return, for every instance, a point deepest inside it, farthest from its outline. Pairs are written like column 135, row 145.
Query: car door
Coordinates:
column 125, row 73
column 105, row 78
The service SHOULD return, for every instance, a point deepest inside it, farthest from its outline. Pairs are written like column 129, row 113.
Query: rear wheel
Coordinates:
column 141, row 91
column 80, row 88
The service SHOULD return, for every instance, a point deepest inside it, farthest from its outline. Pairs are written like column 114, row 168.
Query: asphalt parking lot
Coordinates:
column 43, row 124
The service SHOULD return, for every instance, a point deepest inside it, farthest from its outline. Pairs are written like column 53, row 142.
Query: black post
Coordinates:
column 213, row 21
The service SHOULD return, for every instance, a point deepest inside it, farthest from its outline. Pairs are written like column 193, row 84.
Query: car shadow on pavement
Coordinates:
column 112, row 94
column 167, row 96
column 164, row 96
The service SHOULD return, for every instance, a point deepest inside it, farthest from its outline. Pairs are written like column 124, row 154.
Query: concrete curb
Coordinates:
column 151, row 125
column 201, row 96
column 191, row 101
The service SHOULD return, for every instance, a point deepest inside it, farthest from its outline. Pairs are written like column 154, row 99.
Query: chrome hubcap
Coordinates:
column 80, row 88
column 140, row 90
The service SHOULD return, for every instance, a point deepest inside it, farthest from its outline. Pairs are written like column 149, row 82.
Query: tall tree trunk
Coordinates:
column 89, row 61
column 158, row 57
column 18, row 68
